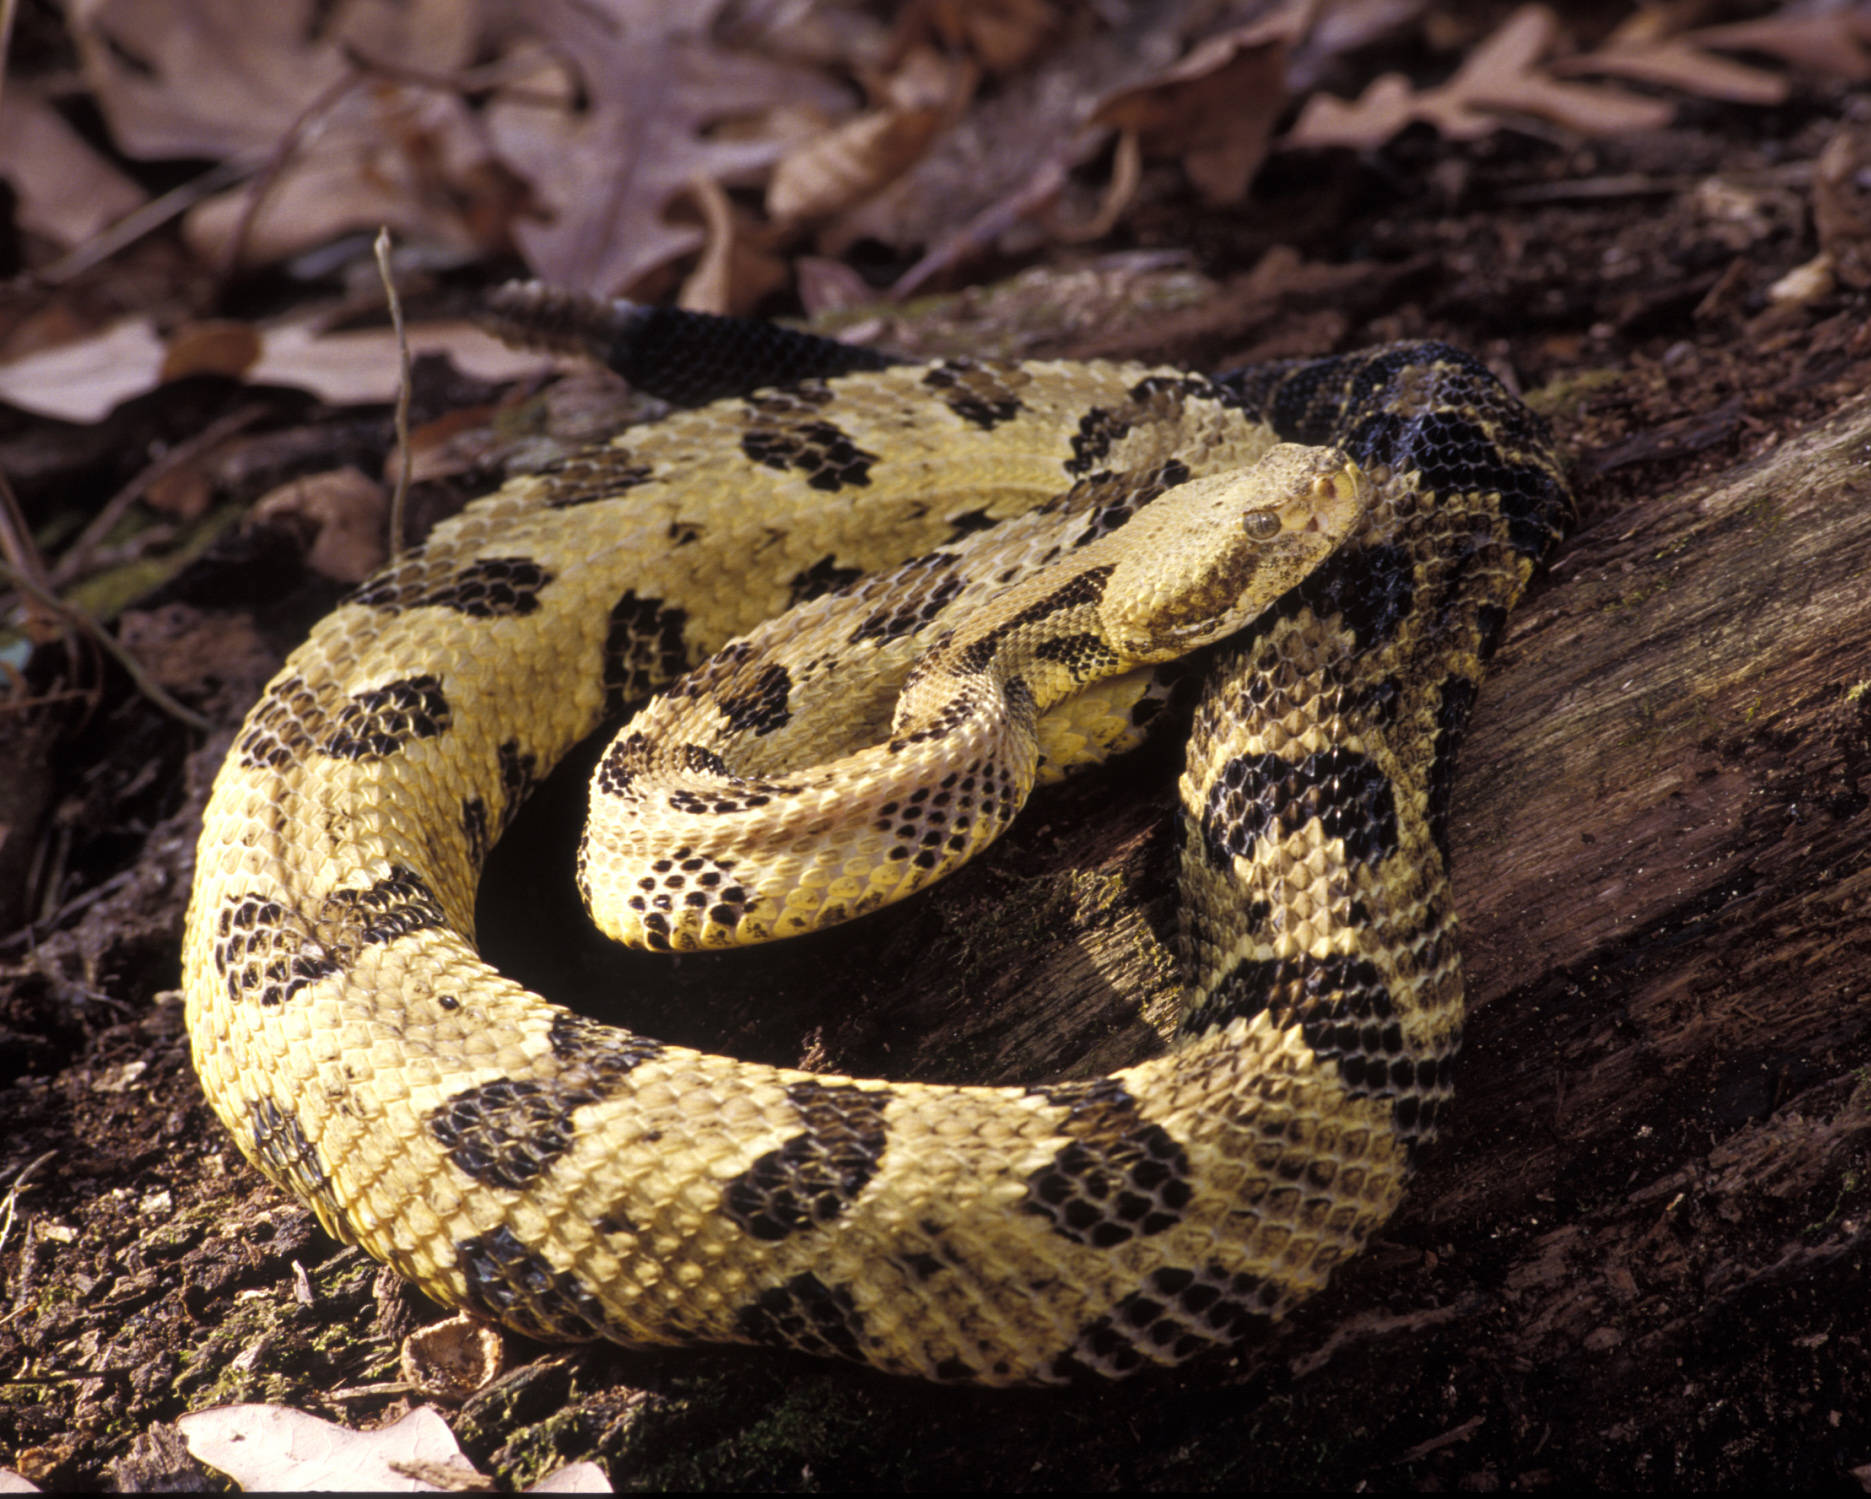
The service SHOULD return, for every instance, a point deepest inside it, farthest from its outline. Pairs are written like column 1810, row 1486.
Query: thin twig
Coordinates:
column 142, row 220
column 401, row 492
column 17, row 547
column 79, row 552
column 8, row 1206
column 114, row 648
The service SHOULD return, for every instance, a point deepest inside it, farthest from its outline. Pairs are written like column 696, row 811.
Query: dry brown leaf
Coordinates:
column 361, row 367
column 827, row 285
column 1643, row 50
column 216, row 346
column 849, row 163
column 999, row 34
column 226, row 79
column 836, row 168
column 451, row 1359
column 203, row 656
column 84, row 380
column 271, row 1447
column 1215, row 109
column 655, row 87
column 65, row 191
column 707, row 287
column 1842, row 204
column 344, row 509
column 1829, row 43
column 1498, row 80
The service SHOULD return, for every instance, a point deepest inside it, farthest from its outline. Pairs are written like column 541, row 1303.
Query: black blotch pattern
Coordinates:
column 507, row 1133
column 601, row 473
column 392, row 907
column 1370, row 588
column 685, row 880
column 782, row 434
column 378, row 721
column 1458, row 700
column 823, row 577
column 911, row 598
column 1347, row 1016
column 511, row 1284
column 968, row 522
column 644, row 647
column 1085, row 656
column 1081, row 591
column 1256, row 794
column 692, row 358
column 267, row 953
column 519, row 774
column 475, row 831
column 283, row 1151
column 1490, row 621
column 761, row 705
column 1175, row 1315
column 1378, row 702
column 624, row 760
column 818, row 1173
column 1110, row 499
column 487, row 588
column 807, row 1315
column 264, row 953
column 1120, row 1178
column 597, row 1056
column 284, row 725
column 974, row 392
column 1099, row 430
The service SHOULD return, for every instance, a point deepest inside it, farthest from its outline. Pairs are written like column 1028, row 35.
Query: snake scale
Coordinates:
column 931, row 526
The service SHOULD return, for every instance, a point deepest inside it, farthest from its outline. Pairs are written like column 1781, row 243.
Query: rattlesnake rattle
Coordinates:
column 574, row 1181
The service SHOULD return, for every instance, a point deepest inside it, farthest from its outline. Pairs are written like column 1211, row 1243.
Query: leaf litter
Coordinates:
column 656, row 148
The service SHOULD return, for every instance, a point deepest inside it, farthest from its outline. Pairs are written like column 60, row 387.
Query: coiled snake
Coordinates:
column 575, row 1181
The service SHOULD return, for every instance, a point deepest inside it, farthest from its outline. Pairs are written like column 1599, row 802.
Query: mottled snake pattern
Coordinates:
column 574, row 1181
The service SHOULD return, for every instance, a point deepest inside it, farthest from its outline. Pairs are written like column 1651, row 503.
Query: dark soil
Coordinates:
column 147, row 1271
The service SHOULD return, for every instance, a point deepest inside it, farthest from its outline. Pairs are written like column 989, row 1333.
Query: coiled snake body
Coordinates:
column 575, row 1181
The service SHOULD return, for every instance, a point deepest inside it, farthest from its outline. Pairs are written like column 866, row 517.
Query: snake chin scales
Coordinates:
column 879, row 601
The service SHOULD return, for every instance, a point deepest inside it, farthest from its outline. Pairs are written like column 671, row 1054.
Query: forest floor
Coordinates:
column 1635, row 290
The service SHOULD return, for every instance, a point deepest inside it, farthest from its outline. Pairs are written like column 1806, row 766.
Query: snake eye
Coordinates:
column 1262, row 525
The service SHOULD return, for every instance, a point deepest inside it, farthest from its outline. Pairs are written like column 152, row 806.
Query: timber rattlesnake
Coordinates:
column 575, row 1181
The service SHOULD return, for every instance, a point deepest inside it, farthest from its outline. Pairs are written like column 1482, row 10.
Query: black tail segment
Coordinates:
column 684, row 358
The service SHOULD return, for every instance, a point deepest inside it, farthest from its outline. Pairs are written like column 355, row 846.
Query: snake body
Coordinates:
column 575, row 1181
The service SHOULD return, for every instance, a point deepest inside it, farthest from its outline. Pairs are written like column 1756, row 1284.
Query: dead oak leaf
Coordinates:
column 655, row 90
column 229, row 80
column 1215, row 108
column 1643, row 51
column 833, row 169
column 226, row 78
column 1826, row 42
column 287, row 1451
column 1499, row 79
column 66, row 191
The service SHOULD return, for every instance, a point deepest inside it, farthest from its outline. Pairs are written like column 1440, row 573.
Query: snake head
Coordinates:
column 1210, row 554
